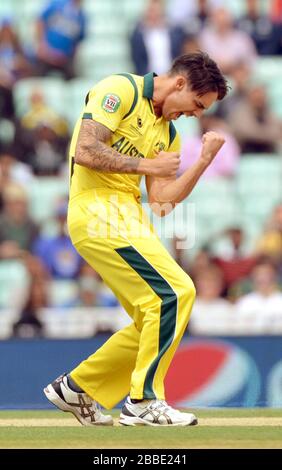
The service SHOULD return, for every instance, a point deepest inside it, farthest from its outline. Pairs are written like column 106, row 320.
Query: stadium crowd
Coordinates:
column 237, row 264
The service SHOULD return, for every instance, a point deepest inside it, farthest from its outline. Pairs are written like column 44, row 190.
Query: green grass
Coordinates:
column 73, row 437
column 98, row 438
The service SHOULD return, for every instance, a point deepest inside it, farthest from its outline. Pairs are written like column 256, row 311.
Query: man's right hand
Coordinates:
column 165, row 164
column 212, row 143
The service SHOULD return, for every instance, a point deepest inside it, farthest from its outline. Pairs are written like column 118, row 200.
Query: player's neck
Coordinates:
column 162, row 87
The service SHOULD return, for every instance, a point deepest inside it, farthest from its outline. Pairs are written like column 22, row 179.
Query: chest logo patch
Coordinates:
column 160, row 146
column 111, row 103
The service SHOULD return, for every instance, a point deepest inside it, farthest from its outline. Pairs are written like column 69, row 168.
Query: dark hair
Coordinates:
column 202, row 72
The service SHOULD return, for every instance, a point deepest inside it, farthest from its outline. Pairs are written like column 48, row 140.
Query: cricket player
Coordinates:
column 125, row 131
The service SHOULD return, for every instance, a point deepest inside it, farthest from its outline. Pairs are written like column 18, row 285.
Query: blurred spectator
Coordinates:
column 17, row 230
column 57, row 253
column 60, row 29
column 40, row 113
column 106, row 297
column 181, row 11
column 44, row 137
column 89, row 285
column 240, row 77
column 225, row 44
column 226, row 162
column 7, row 132
column 29, row 324
column 194, row 25
column 190, row 44
column 178, row 252
column 12, row 171
column 35, row 267
column 46, row 152
column 266, row 298
column 264, row 32
column 235, row 264
column 276, row 11
column 210, row 286
column 93, row 291
column 238, row 289
column 153, row 42
column 13, row 66
column 254, row 125
column 270, row 242
column 201, row 262
column 208, row 304
column 184, row 13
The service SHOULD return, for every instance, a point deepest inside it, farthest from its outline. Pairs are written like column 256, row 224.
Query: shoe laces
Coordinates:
column 163, row 406
column 95, row 406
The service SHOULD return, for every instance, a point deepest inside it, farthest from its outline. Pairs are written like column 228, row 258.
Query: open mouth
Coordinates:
column 176, row 115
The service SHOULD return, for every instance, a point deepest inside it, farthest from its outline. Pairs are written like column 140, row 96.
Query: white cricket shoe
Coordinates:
column 154, row 413
column 81, row 405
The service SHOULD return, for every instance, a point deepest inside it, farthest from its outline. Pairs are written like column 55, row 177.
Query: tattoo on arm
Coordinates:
column 93, row 151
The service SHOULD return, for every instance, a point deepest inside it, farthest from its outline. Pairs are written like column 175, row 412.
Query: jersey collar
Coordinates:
column 148, row 89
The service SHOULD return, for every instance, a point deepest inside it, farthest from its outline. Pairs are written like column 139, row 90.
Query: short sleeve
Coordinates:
column 109, row 101
column 175, row 145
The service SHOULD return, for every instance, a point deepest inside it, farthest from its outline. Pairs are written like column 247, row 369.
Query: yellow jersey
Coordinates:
column 123, row 103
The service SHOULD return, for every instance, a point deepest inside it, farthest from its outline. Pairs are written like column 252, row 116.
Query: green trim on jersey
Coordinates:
column 172, row 133
column 151, row 107
column 148, row 89
column 87, row 116
column 130, row 78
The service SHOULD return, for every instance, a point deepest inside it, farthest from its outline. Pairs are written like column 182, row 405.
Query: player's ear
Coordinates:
column 180, row 82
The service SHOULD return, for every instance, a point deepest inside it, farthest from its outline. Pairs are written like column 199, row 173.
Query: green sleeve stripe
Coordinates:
column 72, row 166
column 172, row 133
column 127, row 75
column 87, row 98
column 149, row 101
column 87, row 116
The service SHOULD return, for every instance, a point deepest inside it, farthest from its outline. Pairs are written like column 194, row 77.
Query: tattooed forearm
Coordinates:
column 93, row 151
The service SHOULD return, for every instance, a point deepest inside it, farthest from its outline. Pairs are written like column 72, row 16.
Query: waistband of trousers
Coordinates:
column 106, row 193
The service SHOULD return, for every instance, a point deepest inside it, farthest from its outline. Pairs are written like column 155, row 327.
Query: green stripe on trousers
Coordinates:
column 168, row 309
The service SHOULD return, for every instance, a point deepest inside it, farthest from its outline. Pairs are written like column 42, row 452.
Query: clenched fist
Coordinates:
column 166, row 164
column 212, row 143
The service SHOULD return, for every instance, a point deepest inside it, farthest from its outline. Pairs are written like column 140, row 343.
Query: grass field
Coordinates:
column 232, row 428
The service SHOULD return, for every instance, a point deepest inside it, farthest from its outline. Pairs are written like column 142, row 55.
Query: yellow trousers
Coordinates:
column 112, row 233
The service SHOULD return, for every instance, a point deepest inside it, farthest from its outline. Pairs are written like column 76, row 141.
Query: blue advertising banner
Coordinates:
column 229, row 371
column 233, row 372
